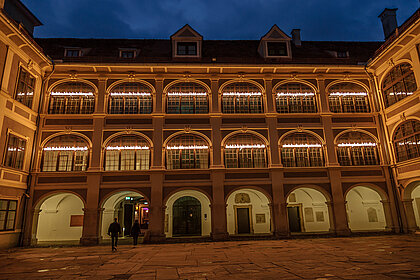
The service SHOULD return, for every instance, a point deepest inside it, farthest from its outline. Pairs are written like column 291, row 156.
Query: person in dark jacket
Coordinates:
column 114, row 230
column 135, row 231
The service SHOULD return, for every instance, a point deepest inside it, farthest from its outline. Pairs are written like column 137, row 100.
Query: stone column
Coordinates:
column 157, row 104
column 323, row 98
column 91, row 219
column 100, row 100
column 338, row 203
column 269, row 95
column 31, row 227
column 391, row 203
column 388, row 217
column 216, row 139
column 156, row 225
column 279, row 205
column 158, row 152
column 218, row 207
column 330, row 215
column 273, row 138
column 215, row 108
column 96, row 151
column 409, row 212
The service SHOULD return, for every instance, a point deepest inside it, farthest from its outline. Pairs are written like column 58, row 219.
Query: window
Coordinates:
column 130, row 98
column 356, row 148
column 127, row 153
column 242, row 98
column 25, row 88
column 187, row 152
column 187, row 98
column 295, row 98
column 276, row 48
column 73, row 53
column 186, row 48
column 72, row 98
column 348, row 98
column 398, row 84
column 127, row 53
column 65, row 153
column 15, row 152
column 407, row 140
column 245, row 151
column 342, row 54
column 301, row 149
column 8, row 210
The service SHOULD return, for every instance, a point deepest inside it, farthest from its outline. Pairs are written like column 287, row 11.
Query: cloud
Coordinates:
column 217, row 19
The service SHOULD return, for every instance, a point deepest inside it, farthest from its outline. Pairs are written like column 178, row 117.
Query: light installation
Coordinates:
column 25, row 93
column 301, row 145
column 400, row 93
column 409, row 143
column 236, row 146
column 193, row 147
column 368, row 144
column 242, row 93
column 348, row 94
column 187, row 94
column 110, row 148
column 55, row 93
column 65, row 148
column 130, row 94
column 295, row 94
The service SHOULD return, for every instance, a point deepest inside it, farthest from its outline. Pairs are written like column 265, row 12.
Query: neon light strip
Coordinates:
column 357, row 144
column 187, row 147
column 242, row 93
column 295, row 94
column 400, row 93
column 187, row 93
column 72, row 93
column 25, row 93
column 236, row 146
column 348, row 94
column 130, row 94
column 127, row 148
column 15, row 149
column 409, row 143
column 302, row 146
column 65, row 148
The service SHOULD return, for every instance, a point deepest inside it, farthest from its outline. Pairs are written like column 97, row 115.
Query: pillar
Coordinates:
column 218, row 207
column 156, row 225
column 91, row 219
column 279, row 205
column 215, row 108
column 338, row 204
column 269, row 95
column 391, row 203
column 388, row 216
column 330, row 215
column 409, row 212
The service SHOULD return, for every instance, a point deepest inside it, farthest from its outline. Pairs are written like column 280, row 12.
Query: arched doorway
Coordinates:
column 126, row 206
column 248, row 212
column 186, row 216
column 307, row 211
column 60, row 218
column 365, row 211
column 415, row 195
column 188, row 213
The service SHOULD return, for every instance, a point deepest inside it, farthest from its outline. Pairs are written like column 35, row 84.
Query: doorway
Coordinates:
column 187, row 216
column 243, row 224
column 293, row 213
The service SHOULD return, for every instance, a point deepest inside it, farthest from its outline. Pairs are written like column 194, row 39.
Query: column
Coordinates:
column 215, row 108
column 269, row 95
column 409, row 212
column 157, row 105
column 158, row 152
column 338, row 204
column 156, row 225
column 218, row 207
column 330, row 215
column 100, row 100
column 90, row 233
column 279, row 205
column 273, row 139
column 323, row 98
column 388, row 217
column 391, row 203
column 216, row 141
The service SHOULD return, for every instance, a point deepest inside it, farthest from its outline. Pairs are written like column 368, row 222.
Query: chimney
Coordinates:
column 296, row 37
column 389, row 21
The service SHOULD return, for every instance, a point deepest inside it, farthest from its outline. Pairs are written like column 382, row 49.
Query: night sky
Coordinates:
column 319, row 20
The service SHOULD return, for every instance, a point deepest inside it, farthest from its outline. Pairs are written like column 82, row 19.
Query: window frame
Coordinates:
column 120, row 104
column 29, row 75
column 72, row 50
column 286, row 48
column 347, row 155
column 242, row 104
column 396, row 141
column 133, row 51
column 187, row 54
column 18, row 137
column 3, row 228
column 344, row 102
column 185, row 156
column 173, row 103
column 303, row 103
column 247, row 157
column 307, row 152
column 64, row 101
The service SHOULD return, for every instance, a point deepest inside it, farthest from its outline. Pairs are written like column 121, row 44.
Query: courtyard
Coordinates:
column 366, row 257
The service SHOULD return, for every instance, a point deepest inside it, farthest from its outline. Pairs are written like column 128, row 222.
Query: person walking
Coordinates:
column 114, row 230
column 135, row 231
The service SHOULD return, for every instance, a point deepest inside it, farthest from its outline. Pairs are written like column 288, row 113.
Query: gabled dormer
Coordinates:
column 275, row 44
column 186, row 42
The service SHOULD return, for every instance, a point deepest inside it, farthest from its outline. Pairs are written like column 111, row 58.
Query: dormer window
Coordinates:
column 73, row 53
column 186, row 48
column 342, row 54
column 276, row 49
column 127, row 53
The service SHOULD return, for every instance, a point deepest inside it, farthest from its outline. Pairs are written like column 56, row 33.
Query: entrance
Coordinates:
column 242, row 220
column 187, row 216
column 293, row 213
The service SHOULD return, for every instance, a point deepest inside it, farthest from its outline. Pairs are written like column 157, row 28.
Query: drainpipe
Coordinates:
column 33, row 155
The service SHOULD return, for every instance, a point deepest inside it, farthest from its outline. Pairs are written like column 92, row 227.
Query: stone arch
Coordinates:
column 125, row 133
column 390, row 67
column 335, row 82
column 225, row 84
column 201, row 83
column 411, row 202
column 84, row 137
column 248, row 211
column 320, row 139
column 358, row 130
column 299, row 81
column 204, row 216
column 178, row 133
column 397, row 125
column 63, row 81
column 233, row 133
column 116, row 83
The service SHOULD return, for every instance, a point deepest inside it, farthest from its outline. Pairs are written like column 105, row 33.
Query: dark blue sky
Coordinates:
column 335, row 20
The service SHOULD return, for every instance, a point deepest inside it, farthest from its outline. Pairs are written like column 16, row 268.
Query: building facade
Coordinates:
column 210, row 139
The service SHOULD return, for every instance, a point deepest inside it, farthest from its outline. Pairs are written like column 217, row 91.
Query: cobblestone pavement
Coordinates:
column 377, row 257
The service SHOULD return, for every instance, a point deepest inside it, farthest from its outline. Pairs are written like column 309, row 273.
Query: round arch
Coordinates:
column 233, row 133
column 320, row 189
column 201, row 83
column 390, row 67
column 318, row 137
column 296, row 81
column 178, row 133
column 380, row 191
column 254, row 188
column 49, row 138
column 358, row 130
column 63, row 81
column 225, row 84
column 116, row 83
column 125, row 133
column 203, row 216
column 397, row 125
column 335, row 82
column 248, row 211
column 48, row 195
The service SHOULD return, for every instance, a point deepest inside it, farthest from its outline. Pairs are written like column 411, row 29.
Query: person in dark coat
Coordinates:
column 114, row 230
column 135, row 231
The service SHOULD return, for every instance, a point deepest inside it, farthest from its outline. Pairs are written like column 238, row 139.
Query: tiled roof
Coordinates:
column 224, row 51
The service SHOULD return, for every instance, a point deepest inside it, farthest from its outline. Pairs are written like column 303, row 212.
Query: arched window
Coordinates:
column 295, row 98
column 242, row 98
column 65, row 153
column 356, row 148
column 187, row 98
column 130, row 98
column 348, row 98
column 301, row 149
column 245, row 151
column 398, row 84
column 128, row 152
column 72, row 98
column 187, row 151
column 407, row 140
